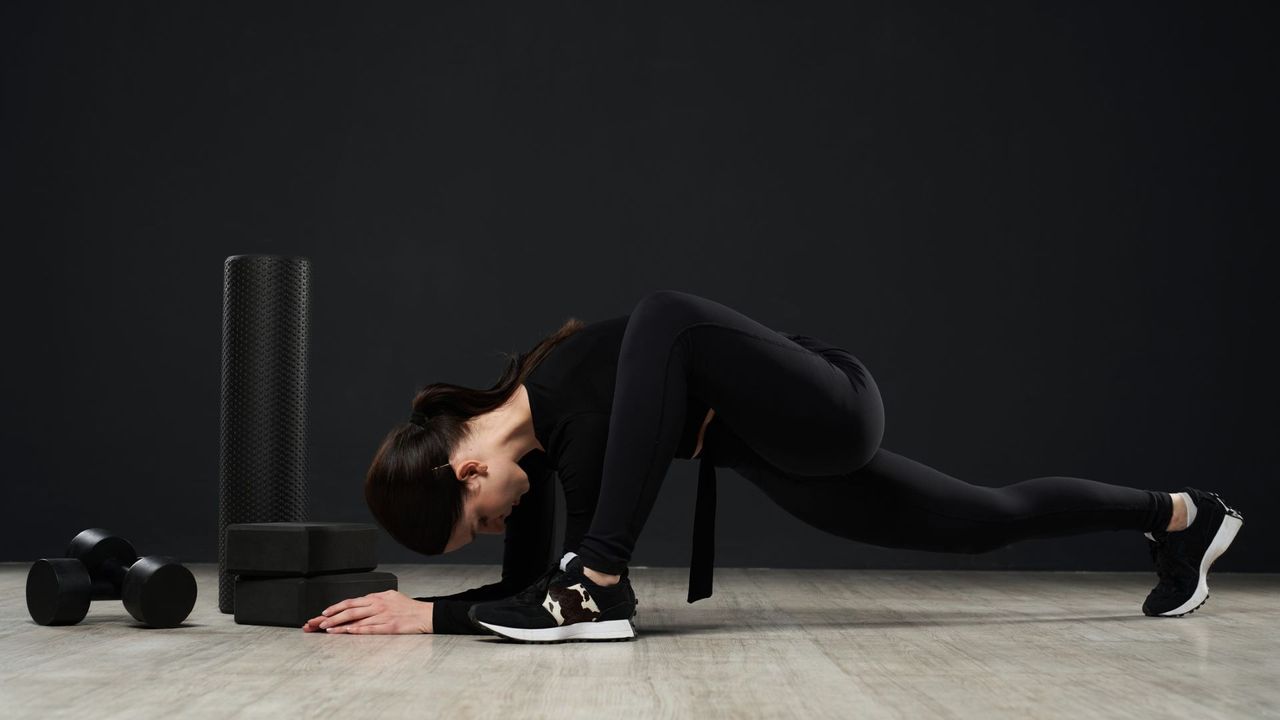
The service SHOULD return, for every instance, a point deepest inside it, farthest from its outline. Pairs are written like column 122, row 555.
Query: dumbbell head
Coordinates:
column 99, row 550
column 58, row 591
column 159, row 591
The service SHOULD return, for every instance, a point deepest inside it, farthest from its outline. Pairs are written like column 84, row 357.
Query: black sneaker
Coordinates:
column 562, row 605
column 1183, row 557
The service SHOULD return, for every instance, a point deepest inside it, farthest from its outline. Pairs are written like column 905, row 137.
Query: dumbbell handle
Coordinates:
column 108, row 583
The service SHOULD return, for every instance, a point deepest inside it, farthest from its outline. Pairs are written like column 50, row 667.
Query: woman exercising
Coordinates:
column 608, row 405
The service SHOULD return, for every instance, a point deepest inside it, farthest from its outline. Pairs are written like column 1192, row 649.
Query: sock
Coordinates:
column 1191, row 507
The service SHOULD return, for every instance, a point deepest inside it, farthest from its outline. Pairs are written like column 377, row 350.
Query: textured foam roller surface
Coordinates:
column 266, row 302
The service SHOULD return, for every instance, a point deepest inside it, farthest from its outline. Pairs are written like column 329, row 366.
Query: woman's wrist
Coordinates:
column 427, row 625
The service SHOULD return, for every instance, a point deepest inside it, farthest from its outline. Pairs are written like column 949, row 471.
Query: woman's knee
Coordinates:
column 851, row 457
column 861, row 441
column 664, row 314
column 665, row 304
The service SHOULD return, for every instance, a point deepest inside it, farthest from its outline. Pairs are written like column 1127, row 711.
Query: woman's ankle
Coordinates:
column 1178, row 520
column 600, row 578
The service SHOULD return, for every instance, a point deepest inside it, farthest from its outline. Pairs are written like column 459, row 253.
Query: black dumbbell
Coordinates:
column 157, row 590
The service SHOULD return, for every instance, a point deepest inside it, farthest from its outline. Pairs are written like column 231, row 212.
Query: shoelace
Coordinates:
column 1171, row 566
column 1154, row 543
column 534, row 592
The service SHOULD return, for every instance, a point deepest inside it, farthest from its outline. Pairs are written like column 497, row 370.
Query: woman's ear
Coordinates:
column 469, row 476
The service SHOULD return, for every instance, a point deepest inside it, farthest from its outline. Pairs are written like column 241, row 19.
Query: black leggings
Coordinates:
column 805, row 427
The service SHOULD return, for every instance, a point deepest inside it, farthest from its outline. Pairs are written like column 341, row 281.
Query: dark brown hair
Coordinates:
column 416, row 506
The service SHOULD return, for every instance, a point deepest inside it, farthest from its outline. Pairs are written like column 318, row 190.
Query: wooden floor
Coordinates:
column 769, row 643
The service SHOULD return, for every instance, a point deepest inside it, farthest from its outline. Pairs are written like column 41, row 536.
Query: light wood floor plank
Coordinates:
column 768, row 644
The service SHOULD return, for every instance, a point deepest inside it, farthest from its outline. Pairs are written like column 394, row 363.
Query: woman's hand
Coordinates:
column 389, row 612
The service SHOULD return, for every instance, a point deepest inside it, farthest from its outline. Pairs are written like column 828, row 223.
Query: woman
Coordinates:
column 608, row 406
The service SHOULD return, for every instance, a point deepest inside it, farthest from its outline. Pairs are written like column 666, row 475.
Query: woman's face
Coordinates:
column 495, row 488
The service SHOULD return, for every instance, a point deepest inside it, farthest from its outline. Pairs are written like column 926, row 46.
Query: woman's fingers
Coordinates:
column 348, row 615
column 338, row 621
column 345, row 611
column 370, row 625
column 388, row 612
column 340, row 612
column 348, row 603
column 314, row 623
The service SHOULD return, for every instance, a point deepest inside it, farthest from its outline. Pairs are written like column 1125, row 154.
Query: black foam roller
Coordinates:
column 266, row 301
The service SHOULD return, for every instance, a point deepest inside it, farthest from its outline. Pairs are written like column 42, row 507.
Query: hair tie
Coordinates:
column 419, row 418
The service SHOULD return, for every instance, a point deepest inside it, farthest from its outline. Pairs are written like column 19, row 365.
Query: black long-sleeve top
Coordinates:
column 570, row 398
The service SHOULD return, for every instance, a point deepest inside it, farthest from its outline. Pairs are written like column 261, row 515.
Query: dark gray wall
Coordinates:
column 1046, row 228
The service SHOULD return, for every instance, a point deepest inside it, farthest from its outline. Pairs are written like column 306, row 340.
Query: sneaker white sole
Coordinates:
column 1221, row 541
column 606, row 630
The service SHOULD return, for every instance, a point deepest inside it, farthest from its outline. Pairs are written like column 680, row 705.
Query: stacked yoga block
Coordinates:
column 288, row 572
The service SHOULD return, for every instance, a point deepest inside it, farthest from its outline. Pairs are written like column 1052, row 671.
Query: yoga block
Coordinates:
column 300, row 549
column 292, row 601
